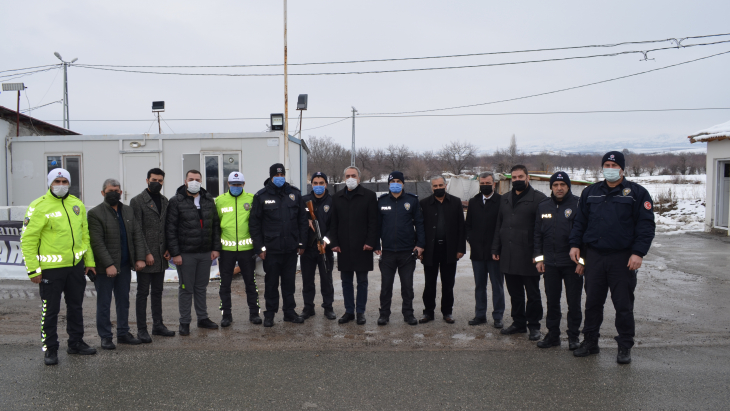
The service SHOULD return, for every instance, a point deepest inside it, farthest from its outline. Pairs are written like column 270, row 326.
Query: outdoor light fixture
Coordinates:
column 13, row 86
column 302, row 102
column 158, row 106
column 277, row 121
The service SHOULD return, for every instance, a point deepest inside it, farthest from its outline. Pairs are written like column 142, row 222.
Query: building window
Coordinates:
column 72, row 164
column 216, row 167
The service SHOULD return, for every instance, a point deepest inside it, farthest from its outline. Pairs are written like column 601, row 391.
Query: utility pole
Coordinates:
column 66, row 121
column 352, row 158
column 159, row 127
column 286, row 106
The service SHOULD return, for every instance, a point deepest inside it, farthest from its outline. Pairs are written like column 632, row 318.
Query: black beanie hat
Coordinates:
column 396, row 175
column 615, row 156
column 319, row 174
column 560, row 176
column 276, row 169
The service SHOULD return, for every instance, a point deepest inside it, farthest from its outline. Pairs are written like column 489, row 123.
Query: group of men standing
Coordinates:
column 514, row 238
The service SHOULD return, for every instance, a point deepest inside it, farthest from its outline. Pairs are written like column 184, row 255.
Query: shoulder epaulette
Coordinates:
column 383, row 195
column 411, row 194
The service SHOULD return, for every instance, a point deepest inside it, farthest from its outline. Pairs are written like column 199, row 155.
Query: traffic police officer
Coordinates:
column 553, row 223
column 278, row 225
column 403, row 240
column 56, row 248
column 615, row 220
column 237, row 247
column 322, row 202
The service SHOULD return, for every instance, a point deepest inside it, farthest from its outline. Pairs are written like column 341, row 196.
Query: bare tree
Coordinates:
column 458, row 156
column 397, row 157
column 327, row 156
column 417, row 169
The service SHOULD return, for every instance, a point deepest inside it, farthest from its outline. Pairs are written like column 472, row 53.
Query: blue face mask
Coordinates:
column 279, row 181
column 319, row 190
column 396, row 187
column 612, row 174
column 235, row 191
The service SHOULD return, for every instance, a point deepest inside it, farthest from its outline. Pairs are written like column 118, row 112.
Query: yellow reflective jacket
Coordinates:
column 233, row 213
column 55, row 234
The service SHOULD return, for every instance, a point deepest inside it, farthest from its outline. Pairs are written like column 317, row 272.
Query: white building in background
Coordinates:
column 717, row 211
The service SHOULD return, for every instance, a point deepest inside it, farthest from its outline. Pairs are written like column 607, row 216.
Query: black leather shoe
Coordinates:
column 81, row 348
column 107, row 344
column 255, row 318
column 360, row 318
column 128, row 338
column 449, row 319
column 184, row 329
column 296, row 319
column 51, row 357
column 383, row 320
column 426, row 318
column 512, row 329
column 144, row 336
column 226, row 320
column 208, row 324
column 410, row 320
column 498, row 324
column 306, row 314
column 587, row 347
column 549, row 341
column 330, row 314
column 269, row 322
column 624, row 355
column 535, row 334
column 573, row 343
column 478, row 320
column 346, row 318
column 160, row 329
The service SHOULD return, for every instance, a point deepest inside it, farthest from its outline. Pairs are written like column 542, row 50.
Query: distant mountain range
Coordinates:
column 659, row 144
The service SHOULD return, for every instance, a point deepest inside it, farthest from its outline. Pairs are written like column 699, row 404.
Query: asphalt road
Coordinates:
column 680, row 361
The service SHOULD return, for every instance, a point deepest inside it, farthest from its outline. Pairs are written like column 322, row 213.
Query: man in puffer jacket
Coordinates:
column 194, row 239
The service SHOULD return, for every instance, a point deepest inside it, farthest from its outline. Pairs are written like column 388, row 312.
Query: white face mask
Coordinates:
column 351, row 183
column 59, row 191
column 193, row 187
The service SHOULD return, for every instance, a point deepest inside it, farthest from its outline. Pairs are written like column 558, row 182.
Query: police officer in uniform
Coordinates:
column 278, row 225
column 553, row 223
column 57, row 253
column 615, row 221
column 233, row 210
column 403, row 240
column 322, row 202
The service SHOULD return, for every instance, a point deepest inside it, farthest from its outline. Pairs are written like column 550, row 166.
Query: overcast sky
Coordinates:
column 251, row 32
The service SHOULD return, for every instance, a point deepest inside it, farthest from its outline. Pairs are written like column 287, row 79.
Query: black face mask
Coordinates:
column 439, row 192
column 154, row 187
column 112, row 198
column 485, row 190
column 519, row 185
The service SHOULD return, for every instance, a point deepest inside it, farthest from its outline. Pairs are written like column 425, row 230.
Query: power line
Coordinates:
column 28, row 68
column 643, row 52
column 27, row 73
column 338, row 121
column 37, row 107
column 671, row 39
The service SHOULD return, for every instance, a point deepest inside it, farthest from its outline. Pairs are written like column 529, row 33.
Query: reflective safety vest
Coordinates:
column 55, row 234
column 233, row 213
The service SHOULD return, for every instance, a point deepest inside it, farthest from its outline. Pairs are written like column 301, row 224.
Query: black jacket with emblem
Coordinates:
column 553, row 223
column 614, row 219
column 401, row 222
column 354, row 224
column 455, row 230
column 106, row 238
column 481, row 221
column 183, row 229
column 278, row 219
column 323, row 212
column 152, row 222
column 514, row 234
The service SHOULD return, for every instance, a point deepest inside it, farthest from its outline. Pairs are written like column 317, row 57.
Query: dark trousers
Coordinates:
column 193, row 278
column 484, row 271
column 227, row 263
column 309, row 262
column 404, row 263
column 524, row 314
column 106, row 287
column 348, row 291
column 70, row 282
column 448, row 278
column 554, row 278
column 609, row 272
column 278, row 266
column 144, row 282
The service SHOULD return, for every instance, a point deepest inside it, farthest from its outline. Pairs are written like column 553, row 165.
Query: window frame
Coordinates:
column 63, row 156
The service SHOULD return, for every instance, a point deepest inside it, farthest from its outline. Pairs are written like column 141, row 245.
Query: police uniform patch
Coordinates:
column 326, row 208
column 647, row 205
column 626, row 191
column 292, row 196
column 26, row 221
column 568, row 212
column 407, row 206
column 246, row 206
column 77, row 210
